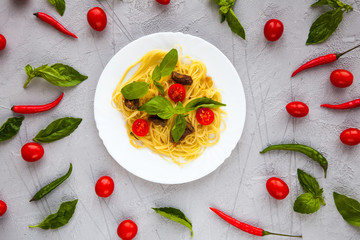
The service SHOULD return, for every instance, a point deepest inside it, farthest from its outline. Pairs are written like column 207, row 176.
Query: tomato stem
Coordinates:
column 278, row 234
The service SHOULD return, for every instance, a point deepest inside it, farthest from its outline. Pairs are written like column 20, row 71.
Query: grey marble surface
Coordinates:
column 238, row 186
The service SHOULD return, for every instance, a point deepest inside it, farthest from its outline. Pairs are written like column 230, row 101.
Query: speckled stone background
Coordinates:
column 238, row 186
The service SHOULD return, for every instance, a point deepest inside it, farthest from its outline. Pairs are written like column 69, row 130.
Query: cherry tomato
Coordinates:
column 350, row 136
column 204, row 116
column 127, row 230
column 32, row 152
column 341, row 78
column 297, row 109
column 140, row 127
column 177, row 92
column 97, row 18
column 163, row 2
column 2, row 42
column 277, row 188
column 3, row 208
column 273, row 29
column 104, row 187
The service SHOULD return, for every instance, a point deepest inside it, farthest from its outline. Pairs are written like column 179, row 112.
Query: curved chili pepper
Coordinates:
column 321, row 60
column 348, row 105
column 50, row 20
column 246, row 227
column 308, row 151
column 28, row 109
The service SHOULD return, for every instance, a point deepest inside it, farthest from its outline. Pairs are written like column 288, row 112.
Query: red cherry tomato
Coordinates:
column 3, row 208
column 277, row 188
column 140, row 127
column 127, row 230
column 273, row 29
column 204, row 116
column 104, row 187
column 177, row 92
column 350, row 136
column 341, row 78
column 2, row 42
column 32, row 152
column 97, row 18
column 163, row 2
column 297, row 109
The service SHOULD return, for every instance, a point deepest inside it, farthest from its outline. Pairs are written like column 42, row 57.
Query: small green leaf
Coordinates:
column 59, row 5
column 156, row 75
column 307, row 203
column 320, row 2
column 309, row 183
column 224, row 9
column 159, row 87
column 349, row 208
column 223, row 18
column 169, row 62
column 179, row 109
column 235, row 24
column 10, row 128
column 135, row 90
column 202, row 102
column 158, row 106
column 179, row 128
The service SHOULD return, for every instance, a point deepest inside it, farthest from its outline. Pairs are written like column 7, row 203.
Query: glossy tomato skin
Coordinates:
column 97, row 19
column 350, row 136
column 127, row 230
column 32, row 152
column 341, row 78
column 277, row 188
column 163, row 2
column 140, row 127
column 273, row 30
column 205, row 116
column 104, row 187
column 3, row 207
column 2, row 42
column 297, row 109
column 177, row 92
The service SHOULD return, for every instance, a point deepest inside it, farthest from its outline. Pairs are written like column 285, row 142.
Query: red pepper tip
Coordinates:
column 36, row 14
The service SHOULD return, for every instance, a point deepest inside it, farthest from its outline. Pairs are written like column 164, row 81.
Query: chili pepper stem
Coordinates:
column 340, row 54
column 278, row 234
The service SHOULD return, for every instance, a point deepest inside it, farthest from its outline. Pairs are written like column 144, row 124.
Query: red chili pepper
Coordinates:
column 348, row 105
column 246, row 227
column 321, row 60
column 28, row 109
column 50, row 20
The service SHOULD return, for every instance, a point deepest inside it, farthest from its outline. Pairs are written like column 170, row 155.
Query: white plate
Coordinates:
column 143, row 162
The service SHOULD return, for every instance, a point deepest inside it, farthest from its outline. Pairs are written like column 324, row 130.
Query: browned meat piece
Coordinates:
column 181, row 78
column 157, row 120
column 188, row 130
column 132, row 104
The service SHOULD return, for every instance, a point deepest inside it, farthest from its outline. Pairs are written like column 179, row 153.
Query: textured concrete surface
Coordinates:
column 238, row 186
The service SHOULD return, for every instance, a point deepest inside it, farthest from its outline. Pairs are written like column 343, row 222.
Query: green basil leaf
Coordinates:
column 175, row 215
column 179, row 109
column 324, row 26
column 224, row 9
column 307, row 203
column 10, row 128
column 349, row 208
column 58, row 129
column 179, row 128
column 169, row 62
column 60, row 218
column 320, row 2
column 223, row 18
column 59, row 5
column 235, row 24
column 158, row 106
column 309, row 183
column 135, row 90
column 156, row 75
column 202, row 102
column 159, row 87
column 51, row 186
column 224, row 2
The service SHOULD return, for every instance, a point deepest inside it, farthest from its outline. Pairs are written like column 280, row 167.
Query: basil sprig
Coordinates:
column 312, row 199
column 327, row 23
column 179, row 127
column 135, row 90
column 202, row 102
column 175, row 215
column 10, row 128
column 60, row 218
column 59, row 5
column 158, row 106
column 58, row 129
column 58, row 74
column 349, row 208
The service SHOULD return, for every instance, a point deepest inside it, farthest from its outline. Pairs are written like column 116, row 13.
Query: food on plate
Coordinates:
column 97, row 19
column 3, row 207
column 297, row 109
column 127, row 230
column 104, row 187
column 29, row 109
column 277, row 188
column 32, row 152
column 50, row 20
column 350, row 136
column 341, row 78
column 273, row 30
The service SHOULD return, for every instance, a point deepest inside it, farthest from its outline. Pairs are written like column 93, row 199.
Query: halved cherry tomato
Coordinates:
column 341, row 78
column 2, row 42
column 350, row 136
column 97, row 18
column 273, row 29
column 205, row 116
column 104, row 187
column 163, row 2
column 32, row 152
column 127, row 230
column 140, row 127
column 3, row 208
column 297, row 109
column 277, row 188
column 177, row 92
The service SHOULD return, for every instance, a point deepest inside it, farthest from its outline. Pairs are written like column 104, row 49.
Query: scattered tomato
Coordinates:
column 140, row 127
column 204, row 116
column 32, row 152
column 3, row 208
column 2, row 42
column 177, row 92
column 127, row 230
column 97, row 18
column 104, row 187
column 297, row 109
column 350, row 136
column 341, row 78
column 277, row 188
column 163, row 2
column 273, row 29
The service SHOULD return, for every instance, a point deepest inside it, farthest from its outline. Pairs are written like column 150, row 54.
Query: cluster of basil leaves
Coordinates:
column 59, row 5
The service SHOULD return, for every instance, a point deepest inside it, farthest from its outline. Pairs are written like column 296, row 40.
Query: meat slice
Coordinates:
column 132, row 104
column 157, row 120
column 188, row 130
column 181, row 78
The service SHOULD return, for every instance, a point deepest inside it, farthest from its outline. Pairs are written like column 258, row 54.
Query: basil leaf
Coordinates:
column 60, row 218
column 349, row 208
column 175, row 215
column 179, row 128
column 202, row 102
column 135, row 90
column 159, row 87
column 309, row 183
column 224, row 2
column 10, row 128
column 58, row 129
column 235, row 24
column 224, row 9
column 158, row 106
column 51, row 186
column 320, row 2
column 59, row 5
column 223, row 18
column 179, row 109
column 156, row 76
column 324, row 26
column 169, row 62
column 307, row 203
